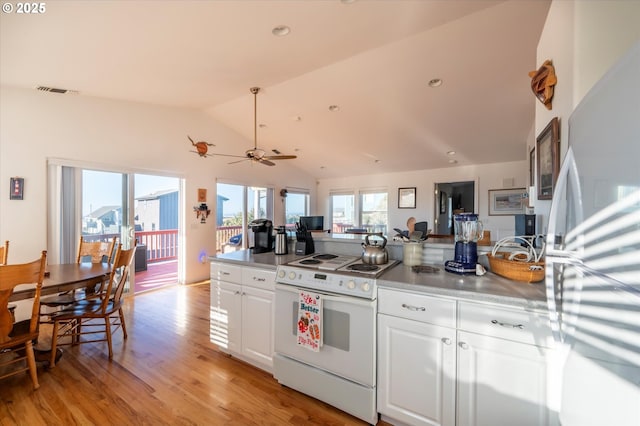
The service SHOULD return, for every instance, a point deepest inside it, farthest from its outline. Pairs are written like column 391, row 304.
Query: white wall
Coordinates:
column 583, row 39
column 122, row 136
column 488, row 176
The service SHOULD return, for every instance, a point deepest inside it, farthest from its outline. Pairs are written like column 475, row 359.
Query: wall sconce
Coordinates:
column 202, row 212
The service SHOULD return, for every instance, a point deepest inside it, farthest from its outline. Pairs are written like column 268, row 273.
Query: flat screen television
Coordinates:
column 312, row 223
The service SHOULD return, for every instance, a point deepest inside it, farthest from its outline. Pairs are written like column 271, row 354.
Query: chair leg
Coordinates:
column 54, row 344
column 108, row 333
column 122, row 324
column 31, row 362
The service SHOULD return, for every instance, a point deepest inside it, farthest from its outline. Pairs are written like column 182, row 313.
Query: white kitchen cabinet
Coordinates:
column 446, row 362
column 242, row 302
column 503, row 366
column 416, row 358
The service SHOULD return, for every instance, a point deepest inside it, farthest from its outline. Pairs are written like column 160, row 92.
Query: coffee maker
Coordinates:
column 468, row 230
column 262, row 235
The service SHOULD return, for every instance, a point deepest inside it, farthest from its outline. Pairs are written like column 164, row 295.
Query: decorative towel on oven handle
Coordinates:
column 309, row 320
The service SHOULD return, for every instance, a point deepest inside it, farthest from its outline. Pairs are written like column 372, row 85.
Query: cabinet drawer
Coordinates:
column 259, row 278
column 512, row 324
column 226, row 272
column 418, row 307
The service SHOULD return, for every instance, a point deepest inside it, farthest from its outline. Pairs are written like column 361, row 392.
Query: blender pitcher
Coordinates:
column 468, row 230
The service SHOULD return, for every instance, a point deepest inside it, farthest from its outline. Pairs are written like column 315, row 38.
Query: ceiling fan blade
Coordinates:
column 229, row 155
column 280, row 157
column 239, row 161
column 266, row 162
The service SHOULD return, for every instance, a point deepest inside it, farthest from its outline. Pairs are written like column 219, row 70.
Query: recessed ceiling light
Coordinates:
column 347, row 1
column 334, row 108
column 451, row 153
column 435, row 82
column 452, row 161
column 281, row 30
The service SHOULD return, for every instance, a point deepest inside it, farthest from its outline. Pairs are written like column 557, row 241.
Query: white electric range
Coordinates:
column 343, row 371
column 332, row 273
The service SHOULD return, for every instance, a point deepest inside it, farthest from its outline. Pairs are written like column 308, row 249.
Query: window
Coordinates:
column 236, row 206
column 373, row 211
column 296, row 204
column 342, row 212
column 367, row 213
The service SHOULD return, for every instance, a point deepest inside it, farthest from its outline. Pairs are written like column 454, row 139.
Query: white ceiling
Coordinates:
column 371, row 58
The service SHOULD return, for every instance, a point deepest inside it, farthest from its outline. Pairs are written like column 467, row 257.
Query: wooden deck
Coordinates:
column 166, row 373
column 158, row 274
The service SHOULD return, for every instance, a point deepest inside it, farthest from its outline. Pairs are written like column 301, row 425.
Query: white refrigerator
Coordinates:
column 593, row 254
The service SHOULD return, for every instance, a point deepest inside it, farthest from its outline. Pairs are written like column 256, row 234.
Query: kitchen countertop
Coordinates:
column 487, row 288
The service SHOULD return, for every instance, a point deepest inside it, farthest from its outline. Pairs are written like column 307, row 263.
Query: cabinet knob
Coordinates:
column 446, row 340
column 463, row 345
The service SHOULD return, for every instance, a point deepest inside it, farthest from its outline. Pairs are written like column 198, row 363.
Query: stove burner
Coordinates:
column 310, row 262
column 325, row 256
column 363, row 267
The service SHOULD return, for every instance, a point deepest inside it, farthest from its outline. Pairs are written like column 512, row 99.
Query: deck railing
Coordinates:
column 223, row 234
column 160, row 245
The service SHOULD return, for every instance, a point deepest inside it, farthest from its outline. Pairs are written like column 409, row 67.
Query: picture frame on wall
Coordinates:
column 503, row 202
column 548, row 159
column 407, row 198
column 532, row 166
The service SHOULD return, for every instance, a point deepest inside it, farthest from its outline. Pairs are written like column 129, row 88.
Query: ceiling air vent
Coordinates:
column 55, row 90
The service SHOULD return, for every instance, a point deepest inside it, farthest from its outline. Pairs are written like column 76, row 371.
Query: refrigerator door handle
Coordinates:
column 567, row 178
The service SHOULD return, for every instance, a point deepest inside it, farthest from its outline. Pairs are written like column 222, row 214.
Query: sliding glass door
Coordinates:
column 102, row 204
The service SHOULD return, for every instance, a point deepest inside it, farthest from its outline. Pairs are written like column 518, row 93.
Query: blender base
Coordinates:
column 459, row 267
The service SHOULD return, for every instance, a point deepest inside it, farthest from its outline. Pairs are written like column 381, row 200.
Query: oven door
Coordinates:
column 349, row 333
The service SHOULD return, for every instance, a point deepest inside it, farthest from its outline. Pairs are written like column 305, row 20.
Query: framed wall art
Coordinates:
column 407, row 198
column 17, row 188
column 548, row 159
column 532, row 167
column 504, row 202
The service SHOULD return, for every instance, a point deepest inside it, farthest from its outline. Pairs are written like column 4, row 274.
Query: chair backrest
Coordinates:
column 10, row 277
column 118, row 276
column 4, row 253
column 97, row 250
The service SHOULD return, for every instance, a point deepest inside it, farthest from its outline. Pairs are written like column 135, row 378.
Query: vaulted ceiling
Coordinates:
column 373, row 60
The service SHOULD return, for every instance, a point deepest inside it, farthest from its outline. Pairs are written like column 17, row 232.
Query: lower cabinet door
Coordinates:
column 501, row 382
column 226, row 315
column 416, row 371
column 257, row 325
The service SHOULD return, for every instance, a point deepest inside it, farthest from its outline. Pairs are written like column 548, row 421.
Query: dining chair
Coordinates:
column 16, row 338
column 96, row 252
column 95, row 318
column 4, row 253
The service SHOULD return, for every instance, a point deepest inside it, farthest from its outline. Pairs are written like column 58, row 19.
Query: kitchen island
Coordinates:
column 451, row 349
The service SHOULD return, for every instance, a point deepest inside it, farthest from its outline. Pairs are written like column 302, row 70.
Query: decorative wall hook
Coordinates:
column 542, row 82
column 202, row 212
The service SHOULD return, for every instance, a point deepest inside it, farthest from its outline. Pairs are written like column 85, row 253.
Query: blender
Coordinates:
column 468, row 230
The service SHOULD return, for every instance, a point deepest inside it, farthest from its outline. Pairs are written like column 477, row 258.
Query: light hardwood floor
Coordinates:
column 166, row 373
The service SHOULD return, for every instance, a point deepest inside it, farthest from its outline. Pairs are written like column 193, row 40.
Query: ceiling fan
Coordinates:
column 256, row 154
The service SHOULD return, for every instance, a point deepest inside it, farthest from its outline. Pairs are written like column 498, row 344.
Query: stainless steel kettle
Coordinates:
column 282, row 244
column 374, row 254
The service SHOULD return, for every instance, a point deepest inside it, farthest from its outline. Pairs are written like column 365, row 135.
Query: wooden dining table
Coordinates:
column 65, row 277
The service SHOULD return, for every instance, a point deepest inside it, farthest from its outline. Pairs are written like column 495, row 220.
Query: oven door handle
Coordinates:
column 330, row 297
